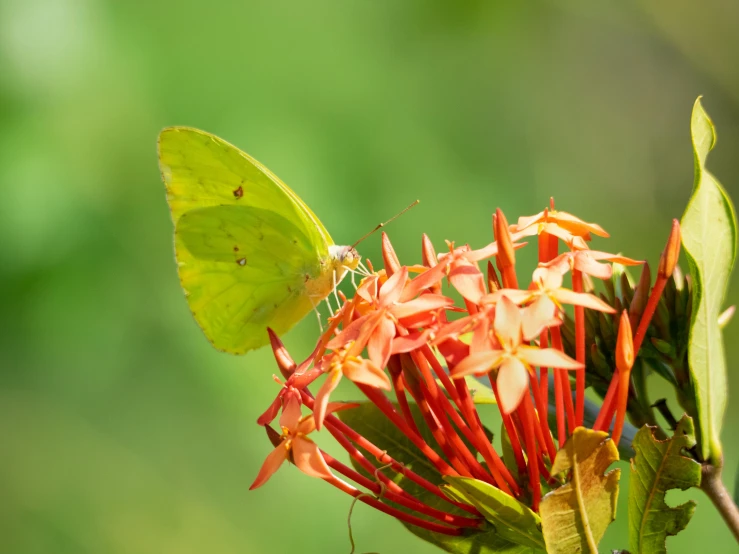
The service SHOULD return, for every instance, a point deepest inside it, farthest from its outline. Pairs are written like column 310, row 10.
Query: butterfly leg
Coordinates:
column 318, row 314
column 336, row 294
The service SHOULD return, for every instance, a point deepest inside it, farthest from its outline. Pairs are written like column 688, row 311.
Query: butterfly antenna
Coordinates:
column 381, row 225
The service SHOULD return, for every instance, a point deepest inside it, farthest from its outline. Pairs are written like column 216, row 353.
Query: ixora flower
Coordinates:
column 294, row 444
column 514, row 360
column 413, row 338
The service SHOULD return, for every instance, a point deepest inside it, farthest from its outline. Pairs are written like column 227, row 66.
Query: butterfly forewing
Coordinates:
column 245, row 243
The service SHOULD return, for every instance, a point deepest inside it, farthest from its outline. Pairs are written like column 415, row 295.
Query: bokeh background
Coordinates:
column 121, row 430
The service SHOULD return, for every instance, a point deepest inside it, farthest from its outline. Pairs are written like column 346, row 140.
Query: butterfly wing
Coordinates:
column 245, row 243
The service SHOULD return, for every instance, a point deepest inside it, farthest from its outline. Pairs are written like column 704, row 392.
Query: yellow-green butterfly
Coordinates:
column 250, row 253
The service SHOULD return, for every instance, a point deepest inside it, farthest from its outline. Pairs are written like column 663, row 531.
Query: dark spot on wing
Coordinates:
column 307, row 277
column 241, row 261
column 239, row 192
column 295, row 241
column 289, row 288
column 236, row 248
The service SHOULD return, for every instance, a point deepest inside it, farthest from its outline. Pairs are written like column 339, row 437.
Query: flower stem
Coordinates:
column 406, row 501
column 511, row 430
column 394, row 512
column 379, row 399
column 527, row 414
column 565, row 382
column 577, row 286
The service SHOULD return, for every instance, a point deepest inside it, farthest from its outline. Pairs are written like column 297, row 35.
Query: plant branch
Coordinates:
column 714, row 487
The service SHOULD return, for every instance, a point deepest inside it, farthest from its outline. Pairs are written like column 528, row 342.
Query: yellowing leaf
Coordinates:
column 709, row 236
column 575, row 516
column 658, row 467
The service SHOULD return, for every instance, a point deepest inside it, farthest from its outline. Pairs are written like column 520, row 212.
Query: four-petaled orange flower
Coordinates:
column 572, row 230
column 545, row 299
column 587, row 261
column 514, row 360
column 295, row 446
column 346, row 361
column 377, row 329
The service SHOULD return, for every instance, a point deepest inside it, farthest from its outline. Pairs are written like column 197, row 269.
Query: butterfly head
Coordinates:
column 347, row 256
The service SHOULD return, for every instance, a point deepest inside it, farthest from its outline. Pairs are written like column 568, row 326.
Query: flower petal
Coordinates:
column 516, row 296
column 270, row 465
column 507, row 323
column 367, row 373
column 480, row 362
column 537, row 315
column 381, row 341
column 588, row 265
column 547, row 357
column 410, row 342
column 513, row 383
column 585, row 299
column 321, row 403
column 468, row 280
column 291, row 414
column 424, row 303
column 349, row 334
column 525, row 222
column 425, row 280
column 576, row 225
column 392, row 289
column 307, row 457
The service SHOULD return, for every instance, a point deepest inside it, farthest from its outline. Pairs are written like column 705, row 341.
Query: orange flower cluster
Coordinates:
column 399, row 334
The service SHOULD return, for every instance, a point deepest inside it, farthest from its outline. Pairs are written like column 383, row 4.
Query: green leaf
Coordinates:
column 481, row 393
column 575, row 516
column 658, row 467
column 369, row 421
column 513, row 520
column 709, row 236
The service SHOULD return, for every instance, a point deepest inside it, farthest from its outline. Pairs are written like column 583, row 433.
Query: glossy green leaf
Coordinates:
column 658, row 467
column 513, row 520
column 709, row 236
column 575, row 516
column 375, row 427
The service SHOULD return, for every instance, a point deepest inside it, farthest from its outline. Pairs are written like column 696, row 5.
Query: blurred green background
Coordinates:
column 121, row 430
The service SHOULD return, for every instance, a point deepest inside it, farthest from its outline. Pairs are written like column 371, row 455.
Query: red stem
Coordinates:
column 379, row 399
column 577, row 286
column 443, row 439
column 649, row 310
column 337, row 427
column 565, row 380
column 559, row 402
column 605, row 415
column 499, row 470
column 472, row 430
column 396, row 372
column 527, row 414
column 394, row 512
column 408, row 502
column 623, row 397
column 543, row 371
column 511, row 430
column 542, row 412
